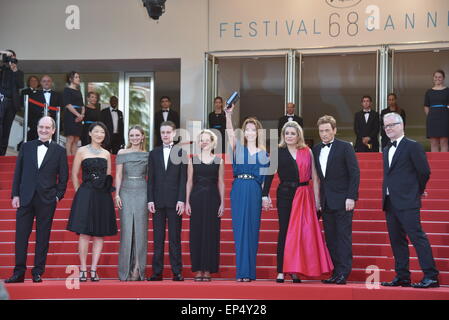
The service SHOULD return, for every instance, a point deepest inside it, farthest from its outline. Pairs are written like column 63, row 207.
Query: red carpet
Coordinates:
column 258, row 290
column 370, row 243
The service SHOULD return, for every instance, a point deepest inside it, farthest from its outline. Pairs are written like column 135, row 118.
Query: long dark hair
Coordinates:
column 397, row 108
column 106, row 140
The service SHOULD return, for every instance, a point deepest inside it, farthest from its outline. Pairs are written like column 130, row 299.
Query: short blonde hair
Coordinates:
column 213, row 137
column 300, row 144
column 327, row 119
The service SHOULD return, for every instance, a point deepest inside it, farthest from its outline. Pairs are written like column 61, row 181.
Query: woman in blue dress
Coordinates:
column 250, row 162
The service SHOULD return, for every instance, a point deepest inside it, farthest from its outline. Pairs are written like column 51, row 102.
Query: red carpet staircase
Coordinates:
column 370, row 238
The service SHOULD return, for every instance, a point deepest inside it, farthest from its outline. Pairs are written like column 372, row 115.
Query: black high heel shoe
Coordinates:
column 280, row 280
column 295, row 278
column 83, row 276
column 94, row 278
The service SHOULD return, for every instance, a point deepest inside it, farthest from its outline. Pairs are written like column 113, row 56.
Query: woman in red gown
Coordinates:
column 301, row 248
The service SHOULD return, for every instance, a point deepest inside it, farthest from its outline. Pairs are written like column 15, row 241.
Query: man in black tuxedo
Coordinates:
column 167, row 178
column 339, row 175
column 290, row 116
column 45, row 96
column 366, row 127
column 406, row 172
column 112, row 117
column 165, row 114
column 40, row 181
column 11, row 81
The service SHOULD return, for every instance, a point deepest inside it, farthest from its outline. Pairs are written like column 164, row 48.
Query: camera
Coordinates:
column 155, row 8
column 6, row 59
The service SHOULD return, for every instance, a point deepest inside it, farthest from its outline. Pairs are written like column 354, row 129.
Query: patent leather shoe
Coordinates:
column 16, row 278
column 340, row 280
column 426, row 283
column 178, row 277
column 397, row 282
column 37, row 278
column 330, row 280
column 155, row 277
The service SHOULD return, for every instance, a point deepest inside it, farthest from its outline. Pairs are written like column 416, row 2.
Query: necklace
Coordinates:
column 93, row 150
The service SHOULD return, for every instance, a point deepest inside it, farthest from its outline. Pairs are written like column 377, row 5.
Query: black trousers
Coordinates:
column 44, row 213
column 284, row 210
column 116, row 143
column 402, row 223
column 338, row 234
column 174, row 236
column 7, row 115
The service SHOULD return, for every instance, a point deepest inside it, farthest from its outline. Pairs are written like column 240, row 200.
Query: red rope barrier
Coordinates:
column 39, row 104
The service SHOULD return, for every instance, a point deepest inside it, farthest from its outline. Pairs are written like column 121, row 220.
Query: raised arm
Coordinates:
column 221, row 188
column 230, row 127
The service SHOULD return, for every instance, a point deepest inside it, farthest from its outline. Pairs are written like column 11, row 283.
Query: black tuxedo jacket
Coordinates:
column 167, row 187
column 284, row 119
column 49, row 181
column 407, row 176
column 38, row 112
column 106, row 118
column 159, row 118
column 288, row 173
column 342, row 175
column 366, row 129
column 13, row 83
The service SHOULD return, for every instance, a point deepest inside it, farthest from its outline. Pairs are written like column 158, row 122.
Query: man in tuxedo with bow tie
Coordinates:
column 112, row 117
column 45, row 96
column 290, row 116
column 339, row 175
column 366, row 127
column 406, row 172
column 165, row 114
column 167, row 178
column 40, row 181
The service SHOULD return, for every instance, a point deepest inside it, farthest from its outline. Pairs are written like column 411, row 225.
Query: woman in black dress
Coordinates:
column 72, row 99
column 436, row 104
column 92, row 114
column 392, row 107
column 92, row 215
column 217, row 121
column 205, row 206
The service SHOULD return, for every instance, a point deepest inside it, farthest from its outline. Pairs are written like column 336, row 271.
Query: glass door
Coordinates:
column 139, row 104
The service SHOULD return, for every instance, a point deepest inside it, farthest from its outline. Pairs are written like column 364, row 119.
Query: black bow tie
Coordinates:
column 365, row 112
column 394, row 143
column 164, row 111
column 326, row 145
column 46, row 143
column 114, row 110
column 47, row 91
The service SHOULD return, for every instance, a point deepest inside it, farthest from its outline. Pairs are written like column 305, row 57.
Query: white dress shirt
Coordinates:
column 324, row 155
column 391, row 153
column 166, row 154
column 114, row 116
column 47, row 96
column 165, row 114
column 366, row 117
column 41, row 152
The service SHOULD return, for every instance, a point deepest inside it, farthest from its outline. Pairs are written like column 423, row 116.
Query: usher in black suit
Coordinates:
column 339, row 182
column 38, row 189
column 35, row 112
column 172, row 116
column 367, row 129
column 165, row 189
column 118, row 139
column 289, row 176
column 406, row 178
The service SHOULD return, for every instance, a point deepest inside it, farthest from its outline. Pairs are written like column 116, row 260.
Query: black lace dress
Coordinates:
column 93, row 210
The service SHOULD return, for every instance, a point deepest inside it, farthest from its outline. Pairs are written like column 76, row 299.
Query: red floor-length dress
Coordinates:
column 305, row 249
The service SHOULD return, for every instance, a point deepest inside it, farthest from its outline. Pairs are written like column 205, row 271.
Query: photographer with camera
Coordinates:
column 11, row 81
